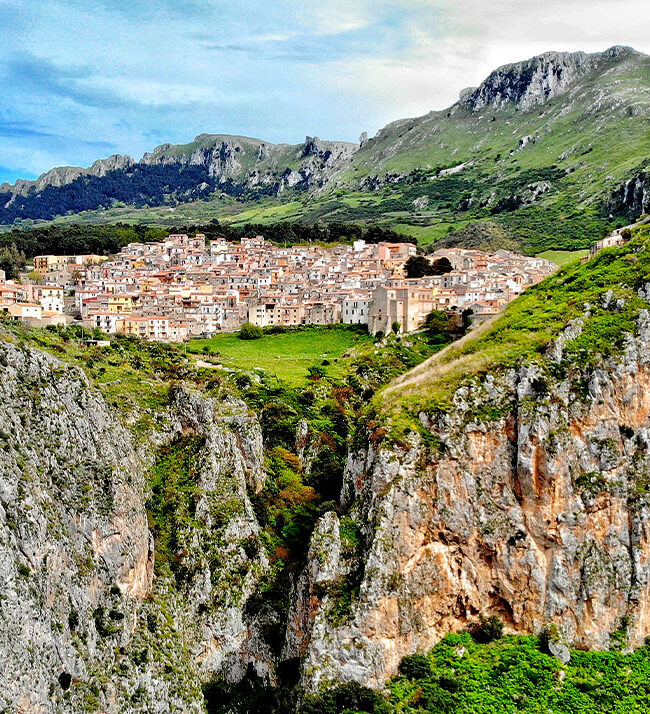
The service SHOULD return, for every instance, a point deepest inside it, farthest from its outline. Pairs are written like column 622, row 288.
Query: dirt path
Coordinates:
column 435, row 364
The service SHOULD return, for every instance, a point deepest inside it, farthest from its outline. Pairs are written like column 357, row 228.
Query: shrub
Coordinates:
column 345, row 698
column 549, row 635
column 415, row 666
column 249, row 331
column 487, row 629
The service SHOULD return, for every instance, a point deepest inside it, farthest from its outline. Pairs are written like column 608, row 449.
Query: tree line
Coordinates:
column 18, row 245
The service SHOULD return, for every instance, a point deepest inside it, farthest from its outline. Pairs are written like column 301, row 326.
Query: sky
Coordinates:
column 83, row 79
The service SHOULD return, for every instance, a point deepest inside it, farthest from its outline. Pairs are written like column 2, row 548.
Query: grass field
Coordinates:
column 563, row 257
column 286, row 355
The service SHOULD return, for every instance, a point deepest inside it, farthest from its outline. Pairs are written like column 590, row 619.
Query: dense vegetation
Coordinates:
column 138, row 185
column 298, row 232
column 328, row 399
column 76, row 238
column 510, row 675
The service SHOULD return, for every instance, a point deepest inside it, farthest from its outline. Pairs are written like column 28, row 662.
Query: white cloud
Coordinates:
column 331, row 17
column 447, row 46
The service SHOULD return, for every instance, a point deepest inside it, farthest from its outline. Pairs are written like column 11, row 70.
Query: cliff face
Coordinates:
column 529, row 500
column 251, row 163
column 84, row 624
column 538, row 79
column 632, row 198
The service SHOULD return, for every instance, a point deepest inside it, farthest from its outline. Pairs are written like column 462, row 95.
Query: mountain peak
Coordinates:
column 538, row 79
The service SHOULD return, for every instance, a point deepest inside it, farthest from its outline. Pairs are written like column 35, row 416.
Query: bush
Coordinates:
column 487, row 629
column 415, row 666
column 549, row 635
column 345, row 698
column 249, row 331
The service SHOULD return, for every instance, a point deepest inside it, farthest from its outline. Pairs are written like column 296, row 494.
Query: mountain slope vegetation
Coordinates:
column 553, row 150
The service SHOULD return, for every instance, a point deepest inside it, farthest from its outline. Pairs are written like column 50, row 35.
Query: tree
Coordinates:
column 415, row 666
column 248, row 331
column 437, row 323
column 441, row 266
column 12, row 261
column 417, row 266
column 396, row 327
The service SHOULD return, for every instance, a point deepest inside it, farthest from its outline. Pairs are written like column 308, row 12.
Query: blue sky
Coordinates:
column 82, row 79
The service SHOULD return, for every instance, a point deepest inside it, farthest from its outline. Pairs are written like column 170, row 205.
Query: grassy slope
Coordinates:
column 529, row 324
column 563, row 257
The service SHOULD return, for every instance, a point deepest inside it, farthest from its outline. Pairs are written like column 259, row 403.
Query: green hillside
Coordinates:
column 529, row 325
column 538, row 151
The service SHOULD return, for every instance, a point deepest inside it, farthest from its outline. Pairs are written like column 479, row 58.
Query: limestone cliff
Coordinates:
column 632, row 197
column 85, row 623
column 528, row 499
column 536, row 80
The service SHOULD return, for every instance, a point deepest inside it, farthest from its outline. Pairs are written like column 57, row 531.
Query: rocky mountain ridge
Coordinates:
column 248, row 161
column 583, row 113
column 537, row 80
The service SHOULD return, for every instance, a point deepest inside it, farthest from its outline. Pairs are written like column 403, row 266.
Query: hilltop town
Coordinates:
column 185, row 287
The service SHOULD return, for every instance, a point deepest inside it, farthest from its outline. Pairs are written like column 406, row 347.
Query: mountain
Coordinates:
column 170, row 174
column 176, row 538
column 561, row 140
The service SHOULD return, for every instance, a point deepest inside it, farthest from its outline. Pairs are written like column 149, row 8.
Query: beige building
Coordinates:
column 406, row 303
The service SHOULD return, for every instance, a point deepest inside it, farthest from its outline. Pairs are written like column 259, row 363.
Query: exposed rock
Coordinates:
column 536, row 80
column 560, row 651
column 632, row 198
column 466, row 93
column 83, row 620
column 421, row 203
column 63, row 175
column 538, row 517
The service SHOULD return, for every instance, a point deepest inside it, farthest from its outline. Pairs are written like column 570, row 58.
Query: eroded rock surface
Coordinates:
column 529, row 501
column 85, row 622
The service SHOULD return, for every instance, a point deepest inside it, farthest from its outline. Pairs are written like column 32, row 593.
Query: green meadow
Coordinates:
column 287, row 355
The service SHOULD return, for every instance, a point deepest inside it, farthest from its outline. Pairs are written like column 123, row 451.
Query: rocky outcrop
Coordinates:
column 536, row 80
column 64, row 175
column 632, row 198
column 86, row 621
column 529, row 499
